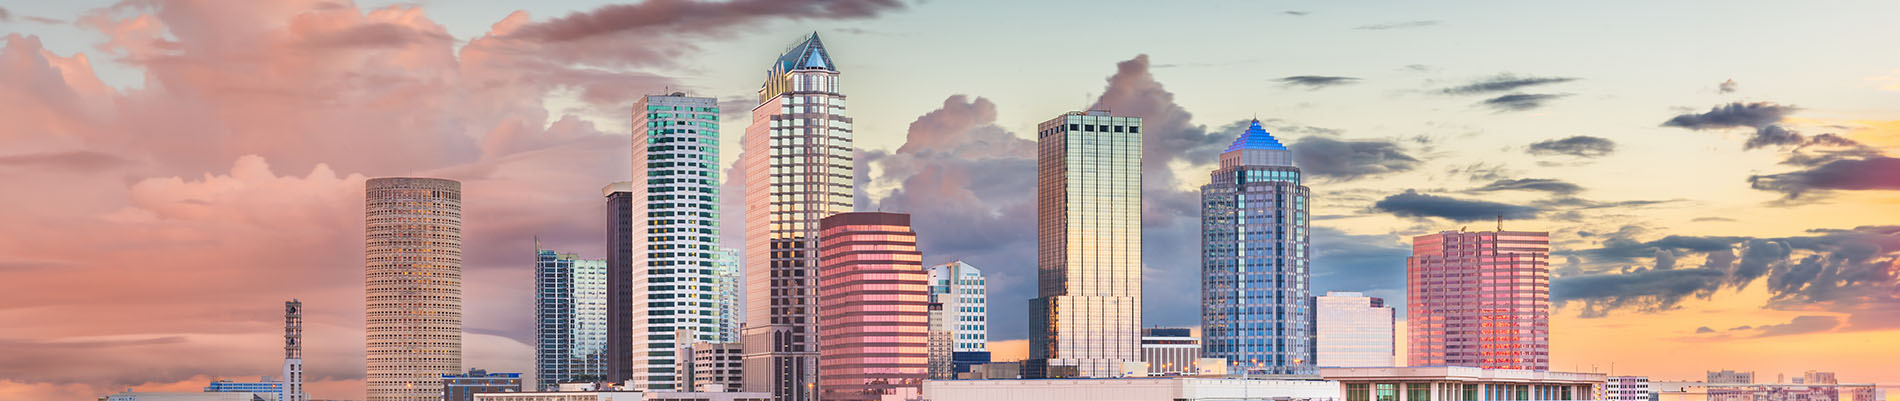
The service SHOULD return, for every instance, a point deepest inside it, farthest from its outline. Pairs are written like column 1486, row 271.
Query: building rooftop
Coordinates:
column 809, row 53
column 1256, row 138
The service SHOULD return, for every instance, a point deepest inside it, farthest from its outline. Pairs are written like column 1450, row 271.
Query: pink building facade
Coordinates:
column 873, row 308
column 1479, row 299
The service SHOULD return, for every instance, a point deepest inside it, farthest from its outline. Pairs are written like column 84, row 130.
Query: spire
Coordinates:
column 809, row 53
column 1256, row 138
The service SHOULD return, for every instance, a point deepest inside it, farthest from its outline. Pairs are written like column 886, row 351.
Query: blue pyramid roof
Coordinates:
column 809, row 53
column 1256, row 138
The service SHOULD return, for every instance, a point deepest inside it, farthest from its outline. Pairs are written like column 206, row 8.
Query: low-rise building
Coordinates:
column 714, row 365
column 624, row 396
column 1703, row 391
column 1627, row 388
column 464, row 387
column 1132, row 389
column 1456, row 383
column 1170, row 351
column 263, row 385
column 130, row 395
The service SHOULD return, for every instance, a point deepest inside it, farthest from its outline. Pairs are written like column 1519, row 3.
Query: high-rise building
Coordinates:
column 960, row 289
column 1087, row 310
column 1626, row 388
column 676, row 220
column 1170, row 351
column 729, row 290
column 1479, row 299
column 620, row 325
column 413, row 299
column 873, row 298
column 570, row 314
column 293, row 352
column 798, row 170
column 1726, row 376
column 1255, row 309
column 464, row 387
column 1354, row 331
column 939, row 343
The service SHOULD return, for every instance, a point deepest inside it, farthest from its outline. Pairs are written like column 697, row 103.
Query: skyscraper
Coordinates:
column 619, row 197
column 675, row 210
column 728, row 289
column 1354, row 331
column 959, row 288
column 1479, row 299
column 293, row 351
column 570, row 313
column 873, row 298
column 1087, row 313
column 798, row 170
column 1255, row 309
column 413, row 297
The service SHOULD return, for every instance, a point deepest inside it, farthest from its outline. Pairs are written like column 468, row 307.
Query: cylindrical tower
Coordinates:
column 413, row 271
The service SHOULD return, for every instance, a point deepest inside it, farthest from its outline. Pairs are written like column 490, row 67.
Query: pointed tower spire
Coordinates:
column 1256, row 147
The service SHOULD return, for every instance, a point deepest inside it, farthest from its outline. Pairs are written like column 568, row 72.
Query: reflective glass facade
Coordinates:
column 798, row 170
column 620, row 224
column 1087, row 313
column 729, row 293
column 676, row 234
column 264, row 385
column 1354, row 330
column 960, row 318
column 570, row 311
column 873, row 308
column 413, row 296
column 1479, row 299
column 1255, row 299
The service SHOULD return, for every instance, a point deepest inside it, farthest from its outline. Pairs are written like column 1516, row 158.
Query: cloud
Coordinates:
column 5, row 16
column 1580, row 146
column 1704, row 330
column 1876, row 173
column 1800, row 325
column 1355, row 262
column 1296, row 13
column 693, row 16
column 1316, row 81
column 1502, row 83
column 1531, row 184
column 1738, row 114
column 1398, row 25
column 1645, row 290
column 1413, row 204
column 1520, row 101
column 85, row 161
column 1728, row 86
column 1773, row 135
column 1346, row 160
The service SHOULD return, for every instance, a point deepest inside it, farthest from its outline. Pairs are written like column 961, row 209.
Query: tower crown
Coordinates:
column 1256, row 147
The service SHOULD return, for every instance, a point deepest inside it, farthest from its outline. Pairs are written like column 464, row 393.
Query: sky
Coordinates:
column 1720, row 183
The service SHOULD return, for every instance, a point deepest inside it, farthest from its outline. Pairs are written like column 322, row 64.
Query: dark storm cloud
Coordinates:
column 1502, row 83
column 1738, row 114
column 694, row 16
column 1531, row 184
column 1398, row 25
column 1414, row 204
column 1317, row 81
column 1579, row 146
column 1520, row 101
column 1346, row 160
column 1876, row 173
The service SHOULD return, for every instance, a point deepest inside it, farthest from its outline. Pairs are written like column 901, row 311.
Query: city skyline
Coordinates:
column 1715, row 176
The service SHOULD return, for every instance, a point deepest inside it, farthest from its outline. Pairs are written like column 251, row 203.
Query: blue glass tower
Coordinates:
column 570, row 319
column 1256, row 303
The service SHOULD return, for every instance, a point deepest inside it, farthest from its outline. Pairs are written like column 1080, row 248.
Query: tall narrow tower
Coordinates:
column 1256, row 307
column 675, row 196
column 293, row 351
column 798, row 170
column 413, row 297
column 1087, row 313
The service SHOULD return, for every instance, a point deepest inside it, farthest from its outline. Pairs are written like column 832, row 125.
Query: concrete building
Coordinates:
column 993, row 371
column 1454, row 383
column 1726, row 376
column 1132, row 389
column 676, row 224
column 1627, row 388
column 620, row 222
column 713, row 365
column 130, row 395
column 1087, row 310
column 1354, row 330
column 873, row 308
column 1819, row 377
column 272, row 388
column 938, row 345
column 798, row 161
column 1256, row 307
column 1170, row 351
column 624, row 396
column 464, row 387
column 413, row 299
column 1703, row 391
column 963, row 295
column 1479, row 299
column 570, row 318
column 729, row 293
column 293, row 353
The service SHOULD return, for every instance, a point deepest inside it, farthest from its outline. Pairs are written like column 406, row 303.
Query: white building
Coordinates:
column 1627, row 388
column 1354, row 330
column 1170, row 351
column 1453, row 383
column 675, row 240
column 960, row 331
column 623, row 396
column 1132, row 389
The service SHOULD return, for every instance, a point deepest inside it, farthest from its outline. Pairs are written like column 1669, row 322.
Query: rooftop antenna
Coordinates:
column 1500, row 223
